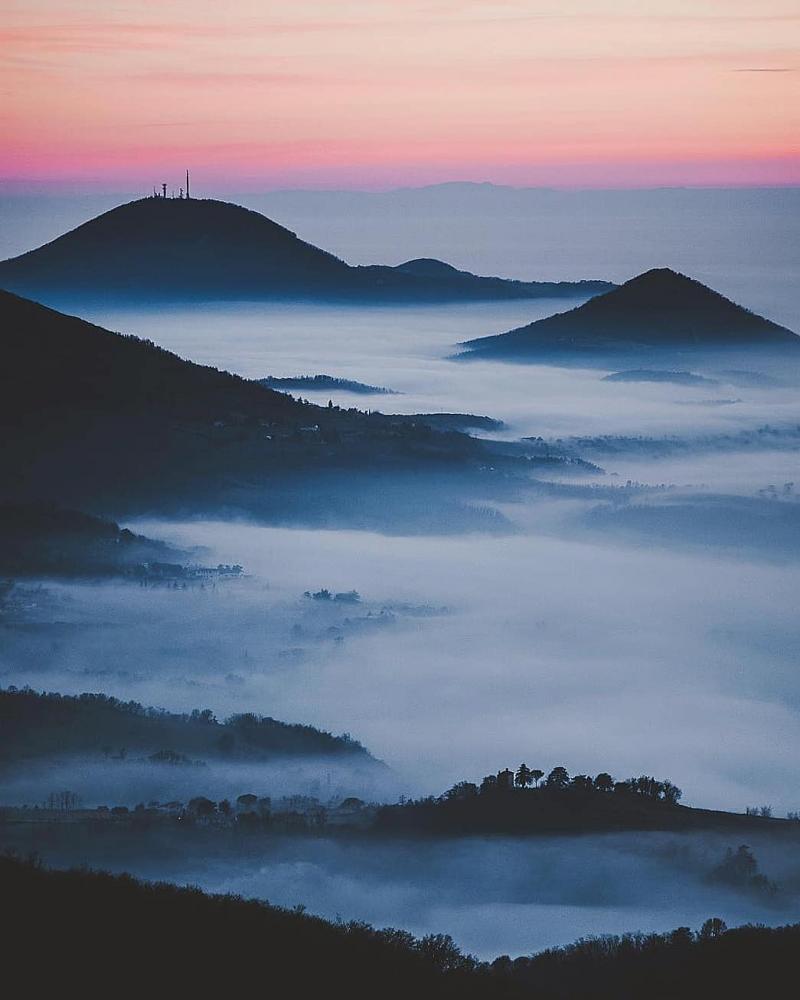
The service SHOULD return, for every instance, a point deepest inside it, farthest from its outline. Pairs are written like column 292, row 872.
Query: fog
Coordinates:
column 514, row 896
column 553, row 650
column 637, row 618
column 497, row 896
column 136, row 780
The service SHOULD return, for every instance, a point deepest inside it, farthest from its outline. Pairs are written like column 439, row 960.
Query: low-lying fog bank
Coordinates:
column 133, row 780
column 553, row 650
column 494, row 896
column 408, row 349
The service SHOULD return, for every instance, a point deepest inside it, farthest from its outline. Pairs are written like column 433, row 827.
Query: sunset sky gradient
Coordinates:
column 377, row 94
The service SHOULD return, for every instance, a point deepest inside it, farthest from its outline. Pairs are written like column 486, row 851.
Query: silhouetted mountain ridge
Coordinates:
column 112, row 424
column 658, row 309
column 169, row 248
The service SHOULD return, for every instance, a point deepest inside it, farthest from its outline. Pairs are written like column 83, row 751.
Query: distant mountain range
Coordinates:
column 657, row 309
column 324, row 383
column 180, row 249
column 646, row 375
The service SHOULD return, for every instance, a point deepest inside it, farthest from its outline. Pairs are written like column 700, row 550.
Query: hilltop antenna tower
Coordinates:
column 187, row 184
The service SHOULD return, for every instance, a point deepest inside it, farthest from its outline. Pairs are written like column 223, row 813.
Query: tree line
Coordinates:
column 115, row 933
column 559, row 780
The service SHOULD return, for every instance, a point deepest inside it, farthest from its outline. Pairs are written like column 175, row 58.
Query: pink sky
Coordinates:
column 373, row 93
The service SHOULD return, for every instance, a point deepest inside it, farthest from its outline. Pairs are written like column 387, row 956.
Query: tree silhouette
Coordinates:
column 714, row 927
column 604, row 782
column 558, row 778
column 537, row 776
column 523, row 777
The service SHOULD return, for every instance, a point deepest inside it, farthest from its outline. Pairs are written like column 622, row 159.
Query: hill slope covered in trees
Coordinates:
column 47, row 725
column 180, row 941
column 113, row 424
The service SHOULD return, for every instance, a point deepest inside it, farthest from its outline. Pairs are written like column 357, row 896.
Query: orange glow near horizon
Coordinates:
column 373, row 93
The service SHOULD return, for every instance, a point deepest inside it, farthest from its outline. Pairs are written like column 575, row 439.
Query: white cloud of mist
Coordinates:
column 559, row 645
column 554, row 650
column 498, row 895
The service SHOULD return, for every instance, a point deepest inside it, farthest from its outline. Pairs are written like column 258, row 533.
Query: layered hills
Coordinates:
column 181, row 249
column 112, row 424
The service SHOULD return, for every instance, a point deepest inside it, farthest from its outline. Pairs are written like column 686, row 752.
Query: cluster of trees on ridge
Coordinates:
column 529, row 801
column 190, row 942
column 559, row 780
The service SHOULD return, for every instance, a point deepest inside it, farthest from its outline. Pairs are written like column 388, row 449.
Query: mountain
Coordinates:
column 445, row 276
column 114, row 425
column 178, row 249
column 39, row 540
column 657, row 309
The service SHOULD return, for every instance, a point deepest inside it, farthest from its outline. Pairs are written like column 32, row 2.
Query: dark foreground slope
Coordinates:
column 659, row 309
column 112, row 424
column 713, row 962
column 37, row 726
column 116, row 934
column 177, row 249
column 40, row 540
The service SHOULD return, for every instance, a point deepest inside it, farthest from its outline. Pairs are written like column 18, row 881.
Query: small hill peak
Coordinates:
column 427, row 267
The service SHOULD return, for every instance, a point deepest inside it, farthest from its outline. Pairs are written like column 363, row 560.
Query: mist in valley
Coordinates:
column 495, row 896
column 578, row 633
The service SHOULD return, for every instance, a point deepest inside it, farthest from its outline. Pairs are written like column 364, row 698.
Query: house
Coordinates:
column 505, row 779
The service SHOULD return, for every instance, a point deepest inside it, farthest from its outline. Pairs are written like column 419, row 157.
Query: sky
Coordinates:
column 373, row 94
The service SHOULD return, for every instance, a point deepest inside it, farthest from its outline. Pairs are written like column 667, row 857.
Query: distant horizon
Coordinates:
column 23, row 187
column 382, row 95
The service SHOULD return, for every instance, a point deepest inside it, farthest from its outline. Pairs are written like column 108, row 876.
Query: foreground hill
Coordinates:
column 51, row 725
column 169, row 941
column 657, row 309
column 39, row 540
column 204, row 249
column 97, row 928
column 112, row 424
